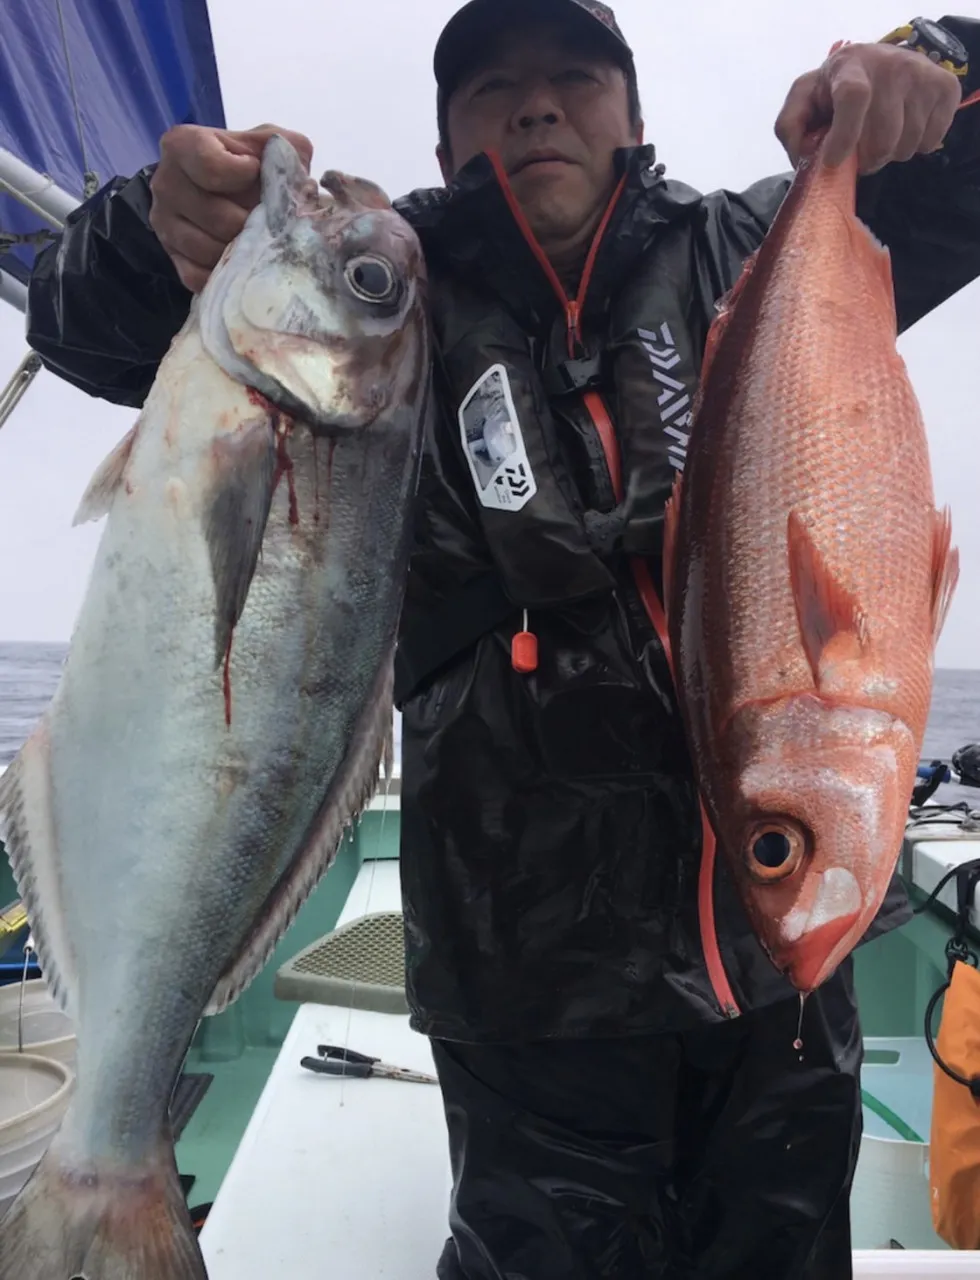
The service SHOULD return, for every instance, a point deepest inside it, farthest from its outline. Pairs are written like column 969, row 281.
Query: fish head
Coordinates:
column 319, row 304
column 819, row 815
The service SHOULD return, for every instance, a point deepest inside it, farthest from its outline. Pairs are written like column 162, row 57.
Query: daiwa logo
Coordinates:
column 674, row 401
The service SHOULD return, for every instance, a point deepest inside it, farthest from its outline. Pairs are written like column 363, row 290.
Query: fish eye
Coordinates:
column 371, row 279
column 774, row 851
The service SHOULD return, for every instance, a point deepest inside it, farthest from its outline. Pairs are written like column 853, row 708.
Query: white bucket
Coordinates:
column 34, row 1094
column 890, row 1199
column 47, row 1032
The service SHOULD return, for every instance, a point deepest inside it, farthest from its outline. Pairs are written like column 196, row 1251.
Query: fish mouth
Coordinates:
column 811, row 961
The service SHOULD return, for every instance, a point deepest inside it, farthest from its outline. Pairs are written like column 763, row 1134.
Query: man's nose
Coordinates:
column 540, row 105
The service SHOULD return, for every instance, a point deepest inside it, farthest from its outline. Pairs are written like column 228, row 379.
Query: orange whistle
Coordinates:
column 524, row 650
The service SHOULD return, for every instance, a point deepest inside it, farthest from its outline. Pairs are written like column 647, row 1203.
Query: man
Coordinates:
column 606, row 1118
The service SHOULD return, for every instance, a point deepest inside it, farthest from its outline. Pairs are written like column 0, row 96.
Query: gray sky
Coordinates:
column 357, row 78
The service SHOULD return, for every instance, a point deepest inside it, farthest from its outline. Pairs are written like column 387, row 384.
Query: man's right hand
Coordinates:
column 204, row 188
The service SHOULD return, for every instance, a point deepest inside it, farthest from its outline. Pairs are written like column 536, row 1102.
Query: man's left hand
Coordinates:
column 887, row 102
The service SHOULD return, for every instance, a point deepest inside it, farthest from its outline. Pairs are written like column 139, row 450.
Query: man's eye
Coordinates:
column 491, row 86
column 575, row 75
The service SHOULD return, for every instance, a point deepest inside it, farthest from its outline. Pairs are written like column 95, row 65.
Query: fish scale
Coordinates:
column 808, row 575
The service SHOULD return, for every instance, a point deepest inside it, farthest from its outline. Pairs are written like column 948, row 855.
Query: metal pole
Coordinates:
column 11, row 395
column 47, row 201
column 40, row 194
column 12, row 291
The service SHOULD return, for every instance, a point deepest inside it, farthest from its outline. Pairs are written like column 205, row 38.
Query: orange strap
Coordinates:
column 525, row 650
column 655, row 612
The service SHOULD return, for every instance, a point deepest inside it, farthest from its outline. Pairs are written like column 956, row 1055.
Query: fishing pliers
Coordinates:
column 331, row 1060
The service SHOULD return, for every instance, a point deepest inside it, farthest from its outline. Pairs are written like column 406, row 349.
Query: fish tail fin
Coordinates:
column 100, row 1223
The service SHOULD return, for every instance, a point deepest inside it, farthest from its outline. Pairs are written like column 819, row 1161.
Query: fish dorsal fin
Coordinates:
column 672, row 516
column 833, row 627
column 945, row 570
column 724, row 309
column 27, row 828
column 352, row 788
column 97, row 498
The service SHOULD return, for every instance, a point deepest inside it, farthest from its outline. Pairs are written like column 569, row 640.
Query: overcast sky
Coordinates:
column 357, row 78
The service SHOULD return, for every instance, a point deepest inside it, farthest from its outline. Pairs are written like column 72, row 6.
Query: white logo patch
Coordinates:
column 673, row 402
column 494, row 443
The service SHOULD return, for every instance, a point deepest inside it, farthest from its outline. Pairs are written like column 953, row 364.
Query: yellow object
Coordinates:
column 954, row 1151
column 901, row 34
column 13, row 920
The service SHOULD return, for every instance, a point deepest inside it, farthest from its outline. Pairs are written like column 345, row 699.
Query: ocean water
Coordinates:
column 29, row 675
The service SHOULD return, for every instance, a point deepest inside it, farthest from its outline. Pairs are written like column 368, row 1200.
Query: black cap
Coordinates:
column 477, row 22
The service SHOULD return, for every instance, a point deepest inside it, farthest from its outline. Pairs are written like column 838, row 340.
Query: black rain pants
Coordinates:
column 712, row 1155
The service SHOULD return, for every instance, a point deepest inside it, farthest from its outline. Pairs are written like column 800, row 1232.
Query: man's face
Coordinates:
column 555, row 111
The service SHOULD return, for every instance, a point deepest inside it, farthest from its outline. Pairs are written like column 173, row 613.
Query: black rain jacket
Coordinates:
column 550, row 830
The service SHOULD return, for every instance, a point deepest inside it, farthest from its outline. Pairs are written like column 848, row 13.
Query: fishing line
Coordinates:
column 28, row 952
column 90, row 180
column 367, row 903
column 798, row 1042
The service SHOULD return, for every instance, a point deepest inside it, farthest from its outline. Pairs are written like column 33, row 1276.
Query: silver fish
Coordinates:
column 226, row 699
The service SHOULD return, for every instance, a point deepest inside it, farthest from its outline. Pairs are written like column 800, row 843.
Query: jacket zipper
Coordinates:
column 525, row 642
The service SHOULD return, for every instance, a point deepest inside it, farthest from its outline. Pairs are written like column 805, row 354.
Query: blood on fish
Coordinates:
column 284, row 467
column 258, row 399
column 226, row 682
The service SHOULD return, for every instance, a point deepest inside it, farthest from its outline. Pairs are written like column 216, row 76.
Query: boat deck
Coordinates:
column 308, row 1172
column 349, row 1177
column 353, row 1176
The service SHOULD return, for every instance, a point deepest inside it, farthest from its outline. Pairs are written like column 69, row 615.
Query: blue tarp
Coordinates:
column 139, row 67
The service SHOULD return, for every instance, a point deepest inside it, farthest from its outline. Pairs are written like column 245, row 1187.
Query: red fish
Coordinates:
column 807, row 578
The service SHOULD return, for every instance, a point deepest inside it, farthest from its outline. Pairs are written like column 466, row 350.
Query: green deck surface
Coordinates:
column 209, row 1142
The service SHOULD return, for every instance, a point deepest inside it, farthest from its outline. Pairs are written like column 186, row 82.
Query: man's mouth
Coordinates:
column 543, row 157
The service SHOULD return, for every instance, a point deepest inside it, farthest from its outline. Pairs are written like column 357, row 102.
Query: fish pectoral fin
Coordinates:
column 97, row 498
column 672, row 516
column 833, row 627
column 235, row 519
column 945, row 570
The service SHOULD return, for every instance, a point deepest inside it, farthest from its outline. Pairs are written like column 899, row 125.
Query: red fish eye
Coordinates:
column 772, row 850
column 775, row 852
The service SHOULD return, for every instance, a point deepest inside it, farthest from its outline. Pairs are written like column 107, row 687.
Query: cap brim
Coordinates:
column 481, row 20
